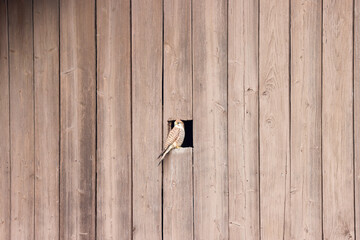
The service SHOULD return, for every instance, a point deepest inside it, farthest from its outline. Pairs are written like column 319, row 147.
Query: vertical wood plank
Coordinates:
column 337, row 115
column 210, row 119
column 4, row 126
column 77, row 121
column 274, row 118
column 357, row 112
column 243, row 120
column 177, row 62
column 305, row 199
column 146, row 117
column 114, row 120
column 22, row 119
column 46, row 78
column 178, row 195
column 177, row 179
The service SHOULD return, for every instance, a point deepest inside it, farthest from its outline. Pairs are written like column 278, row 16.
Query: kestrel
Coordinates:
column 174, row 140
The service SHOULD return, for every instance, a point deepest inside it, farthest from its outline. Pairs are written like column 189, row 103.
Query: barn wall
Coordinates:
column 270, row 91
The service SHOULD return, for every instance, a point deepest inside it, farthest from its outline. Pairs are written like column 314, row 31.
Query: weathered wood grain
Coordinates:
column 274, row 118
column 46, row 78
column 147, row 21
column 337, row 120
column 260, row 164
column 305, row 198
column 177, row 170
column 210, row 119
column 22, row 119
column 357, row 112
column 77, row 119
column 4, row 126
column 113, row 120
column 178, row 195
column 243, row 119
column 177, row 62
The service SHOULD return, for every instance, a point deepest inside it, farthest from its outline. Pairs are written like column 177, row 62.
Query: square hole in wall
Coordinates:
column 188, row 124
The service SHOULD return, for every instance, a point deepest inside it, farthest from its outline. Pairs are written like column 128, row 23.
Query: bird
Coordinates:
column 174, row 140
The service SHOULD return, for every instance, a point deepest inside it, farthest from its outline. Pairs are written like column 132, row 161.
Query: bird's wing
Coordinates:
column 173, row 135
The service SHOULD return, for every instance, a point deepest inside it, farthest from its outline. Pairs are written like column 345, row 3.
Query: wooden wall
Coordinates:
column 272, row 88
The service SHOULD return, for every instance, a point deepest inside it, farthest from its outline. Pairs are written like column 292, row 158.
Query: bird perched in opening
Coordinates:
column 174, row 140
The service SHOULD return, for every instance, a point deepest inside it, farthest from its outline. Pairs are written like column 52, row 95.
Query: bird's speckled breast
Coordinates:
column 181, row 137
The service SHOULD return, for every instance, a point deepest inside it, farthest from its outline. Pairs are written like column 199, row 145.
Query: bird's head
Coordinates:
column 178, row 123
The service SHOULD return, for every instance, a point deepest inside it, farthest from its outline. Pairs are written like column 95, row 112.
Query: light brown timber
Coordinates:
column 22, row 119
column 305, row 197
column 274, row 119
column 178, row 200
column 147, row 51
column 243, row 60
column 4, row 126
column 113, row 120
column 210, row 119
column 77, row 119
column 357, row 112
column 337, row 120
column 177, row 167
column 46, row 80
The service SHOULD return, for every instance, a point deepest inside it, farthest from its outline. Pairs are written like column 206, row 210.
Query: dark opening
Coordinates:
column 188, row 124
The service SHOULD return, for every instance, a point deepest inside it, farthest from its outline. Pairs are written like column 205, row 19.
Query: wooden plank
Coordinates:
column 113, row 120
column 177, row 62
column 274, row 118
column 178, row 195
column 146, row 117
column 4, row 126
column 177, row 178
column 243, row 120
column 337, row 118
column 305, row 198
column 210, row 119
column 357, row 112
column 46, row 78
column 77, row 119
column 22, row 119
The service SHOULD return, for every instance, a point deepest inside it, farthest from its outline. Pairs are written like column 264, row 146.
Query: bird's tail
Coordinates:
column 163, row 154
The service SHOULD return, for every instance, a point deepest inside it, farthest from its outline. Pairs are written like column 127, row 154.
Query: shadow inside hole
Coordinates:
column 188, row 124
